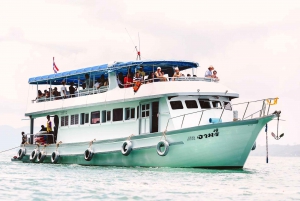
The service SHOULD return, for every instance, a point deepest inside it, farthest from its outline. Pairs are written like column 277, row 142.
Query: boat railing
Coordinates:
column 265, row 108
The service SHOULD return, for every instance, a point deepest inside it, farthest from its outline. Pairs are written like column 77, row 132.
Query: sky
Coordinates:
column 254, row 45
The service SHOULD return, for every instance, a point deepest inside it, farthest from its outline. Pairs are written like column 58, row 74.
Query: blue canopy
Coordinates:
column 74, row 75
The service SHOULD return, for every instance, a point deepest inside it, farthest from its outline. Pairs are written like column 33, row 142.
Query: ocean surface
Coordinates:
column 277, row 180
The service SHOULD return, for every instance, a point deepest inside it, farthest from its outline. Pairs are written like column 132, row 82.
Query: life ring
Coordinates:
column 137, row 86
column 126, row 147
column 88, row 154
column 34, row 154
column 21, row 153
column 159, row 148
column 41, row 156
column 54, row 156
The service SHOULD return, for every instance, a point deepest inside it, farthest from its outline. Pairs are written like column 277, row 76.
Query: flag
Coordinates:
column 55, row 69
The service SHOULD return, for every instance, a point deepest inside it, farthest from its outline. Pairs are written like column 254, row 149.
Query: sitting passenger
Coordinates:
column 128, row 80
column 63, row 92
column 55, row 93
column 137, row 77
column 103, row 81
column 160, row 75
column 142, row 72
column 150, row 77
column 177, row 73
column 40, row 94
column 83, row 86
column 215, row 76
column 72, row 89
column 88, row 81
column 208, row 73
column 97, row 84
column 120, row 80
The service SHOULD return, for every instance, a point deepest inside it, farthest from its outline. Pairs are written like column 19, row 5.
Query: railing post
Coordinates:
column 262, row 111
column 182, row 120
column 200, row 118
column 246, row 109
column 222, row 113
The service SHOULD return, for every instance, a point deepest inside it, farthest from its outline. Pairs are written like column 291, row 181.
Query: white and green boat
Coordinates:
column 181, row 122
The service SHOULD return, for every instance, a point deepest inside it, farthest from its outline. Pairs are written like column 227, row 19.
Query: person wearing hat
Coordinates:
column 209, row 73
column 159, row 74
column 141, row 72
column 63, row 90
column 177, row 73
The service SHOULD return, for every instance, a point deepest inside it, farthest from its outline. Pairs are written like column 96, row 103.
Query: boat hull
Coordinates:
column 222, row 145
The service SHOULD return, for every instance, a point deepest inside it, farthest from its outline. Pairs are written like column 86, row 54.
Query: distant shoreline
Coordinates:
column 277, row 150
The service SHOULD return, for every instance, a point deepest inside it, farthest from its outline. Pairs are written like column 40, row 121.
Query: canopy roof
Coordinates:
column 74, row 75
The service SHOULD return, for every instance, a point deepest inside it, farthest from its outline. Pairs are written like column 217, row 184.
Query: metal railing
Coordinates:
column 40, row 135
column 262, row 111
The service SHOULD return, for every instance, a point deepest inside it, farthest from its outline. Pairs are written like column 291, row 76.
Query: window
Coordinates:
column 95, row 117
column 217, row 104
column 204, row 104
column 105, row 116
column 118, row 114
column 84, row 118
column 129, row 113
column 64, row 121
column 175, row 105
column 145, row 110
column 227, row 106
column 191, row 104
column 74, row 119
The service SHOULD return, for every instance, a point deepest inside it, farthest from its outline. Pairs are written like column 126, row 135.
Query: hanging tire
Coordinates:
column 126, row 147
column 34, row 154
column 162, row 148
column 41, row 156
column 88, row 154
column 21, row 153
column 54, row 157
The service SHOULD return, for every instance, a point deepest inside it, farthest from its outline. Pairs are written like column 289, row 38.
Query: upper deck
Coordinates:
column 113, row 93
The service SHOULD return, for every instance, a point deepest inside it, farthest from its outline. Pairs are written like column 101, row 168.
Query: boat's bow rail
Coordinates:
column 263, row 111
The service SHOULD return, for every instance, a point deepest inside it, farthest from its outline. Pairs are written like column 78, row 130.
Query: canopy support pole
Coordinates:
column 31, row 129
column 51, row 90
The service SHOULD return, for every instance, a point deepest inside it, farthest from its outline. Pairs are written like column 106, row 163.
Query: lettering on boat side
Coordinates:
column 215, row 133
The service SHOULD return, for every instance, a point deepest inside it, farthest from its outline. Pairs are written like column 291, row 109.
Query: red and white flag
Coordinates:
column 55, row 69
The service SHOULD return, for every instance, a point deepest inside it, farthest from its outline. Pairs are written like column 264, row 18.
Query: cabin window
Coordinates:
column 145, row 110
column 74, row 119
column 64, row 121
column 190, row 104
column 95, row 117
column 217, row 104
column 176, row 105
column 118, row 114
column 106, row 116
column 227, row 106
column 129, row 113
column 84, row 118
column 204, row 104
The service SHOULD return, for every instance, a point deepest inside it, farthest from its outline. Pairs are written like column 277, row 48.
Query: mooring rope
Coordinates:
column 9, row 149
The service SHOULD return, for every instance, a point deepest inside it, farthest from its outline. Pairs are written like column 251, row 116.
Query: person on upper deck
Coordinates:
column 24, row 138
column 142, row 72
column 128, row 80
column 97, row 84
column 72, row 89
column 103, row 81
column 150, row 77
column 40, row 94
column 177, row 73
column 88, row 81
column 63, row 90
column 120, row 80
column 159, row 74
column 55, row 93
column 209, row 73
column 215, row 76
column 137, row 77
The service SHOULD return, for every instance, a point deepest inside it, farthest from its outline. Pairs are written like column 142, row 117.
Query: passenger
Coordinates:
column 137, row 77
column 55, row 93
column 159, row 74
column 208, row 73
column 83, row 86
column 120, row 80
column 188, row 75
column 128, row 80
column 47, row 94
column 24, row 138
column 177, row 73
column 88, row 81
column 150, row 77
column 63, row 90
column 49, row 125
column 40, row 94
column 142, row 72
column 72, row 89
column 215, row 76
column 97, row 84
column 43, row 131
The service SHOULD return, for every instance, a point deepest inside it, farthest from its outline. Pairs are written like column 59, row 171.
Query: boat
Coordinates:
column 186, row 122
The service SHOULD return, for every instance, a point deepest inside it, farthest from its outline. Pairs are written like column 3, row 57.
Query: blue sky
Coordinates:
column 254, row 45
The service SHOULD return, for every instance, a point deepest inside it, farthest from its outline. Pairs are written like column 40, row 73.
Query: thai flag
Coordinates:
column 55, row 69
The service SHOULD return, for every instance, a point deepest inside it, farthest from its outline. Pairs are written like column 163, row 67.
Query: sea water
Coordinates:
column 277, row 180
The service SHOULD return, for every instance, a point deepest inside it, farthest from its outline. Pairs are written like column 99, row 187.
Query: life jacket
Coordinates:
column 137, row 86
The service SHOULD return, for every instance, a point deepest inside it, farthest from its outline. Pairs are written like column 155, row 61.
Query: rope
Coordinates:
column 91, row 142
column 57, row 144
column 270, row 101
column 9, row 149
column 129, row 137
column 267, row 151
column 164, row 135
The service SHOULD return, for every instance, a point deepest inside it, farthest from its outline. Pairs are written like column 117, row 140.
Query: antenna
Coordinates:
column 138, row 56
